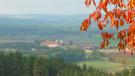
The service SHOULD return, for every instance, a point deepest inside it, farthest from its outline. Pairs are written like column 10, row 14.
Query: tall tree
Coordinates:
column 38, row 67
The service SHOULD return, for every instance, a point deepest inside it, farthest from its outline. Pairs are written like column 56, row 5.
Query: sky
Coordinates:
column 43, row 7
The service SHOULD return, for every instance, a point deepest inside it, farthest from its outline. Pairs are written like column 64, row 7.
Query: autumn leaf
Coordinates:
column 121, row 5
column 101, row 25
column 96, row 15
column 94, row 2
column 85, row 25
column 121, row 22
column 123, row 13
column 131, row 30
column 121, row 46
column 103, row 5
column 102, row 45
column 106, row 36
column 116, row 23
column 87, row 3
column 131, row 4
column 122, row 34
column 117, row 13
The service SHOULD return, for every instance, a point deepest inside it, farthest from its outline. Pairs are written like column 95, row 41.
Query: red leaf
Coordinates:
column 101, row 25
column 96, row 15
column 103, row 5
column 121, row 46
column 122, row 34
column 121, row 22
column 116, row 23
column 106, row 36
column 102, row 45
column 94, row 2
column 87, row 3
column 85, row 25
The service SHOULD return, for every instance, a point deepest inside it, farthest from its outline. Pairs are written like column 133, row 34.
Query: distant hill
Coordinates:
column 9, row 23
column 53, row 27
column 39, row 19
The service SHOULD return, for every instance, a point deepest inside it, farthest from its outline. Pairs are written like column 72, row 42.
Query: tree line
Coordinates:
column 15, row 64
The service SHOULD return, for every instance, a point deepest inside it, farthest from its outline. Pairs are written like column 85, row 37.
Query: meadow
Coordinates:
column 108, row 65
column 104, row 65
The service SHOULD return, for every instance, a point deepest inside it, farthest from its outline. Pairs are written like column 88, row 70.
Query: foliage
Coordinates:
column 121, row 13
column 15, row 64
column 95, row 55
column 67, row 54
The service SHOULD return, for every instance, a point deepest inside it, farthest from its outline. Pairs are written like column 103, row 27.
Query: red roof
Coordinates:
column 50, row 43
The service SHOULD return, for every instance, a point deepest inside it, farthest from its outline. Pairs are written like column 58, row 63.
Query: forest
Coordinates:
column 15, row 64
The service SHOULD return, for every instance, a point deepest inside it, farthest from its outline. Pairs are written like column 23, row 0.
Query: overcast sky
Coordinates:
column 43, row 7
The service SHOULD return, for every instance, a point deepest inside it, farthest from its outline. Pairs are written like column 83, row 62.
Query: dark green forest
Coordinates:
column 15, row 64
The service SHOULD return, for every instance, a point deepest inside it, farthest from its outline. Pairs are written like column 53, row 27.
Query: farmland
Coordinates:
column 105, row 65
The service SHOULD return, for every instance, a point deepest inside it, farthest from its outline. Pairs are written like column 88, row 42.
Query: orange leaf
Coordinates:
column 87, row 3
column 101, row 25
column 96, row 15
column 103, row 5
column 85, row 25
column 116, row 23
column 102, row 45
column 106, row 36
column 121, row 46
column 121, row 22
column 122, row 34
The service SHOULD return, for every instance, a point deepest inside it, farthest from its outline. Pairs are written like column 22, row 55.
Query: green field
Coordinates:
column 105, row 65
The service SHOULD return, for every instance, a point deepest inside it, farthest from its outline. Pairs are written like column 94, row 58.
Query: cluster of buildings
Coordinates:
column 59, row 43
column 52, row 44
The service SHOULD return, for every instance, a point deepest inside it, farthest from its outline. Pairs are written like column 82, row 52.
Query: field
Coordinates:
column 109, row 65
column 104, row 65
